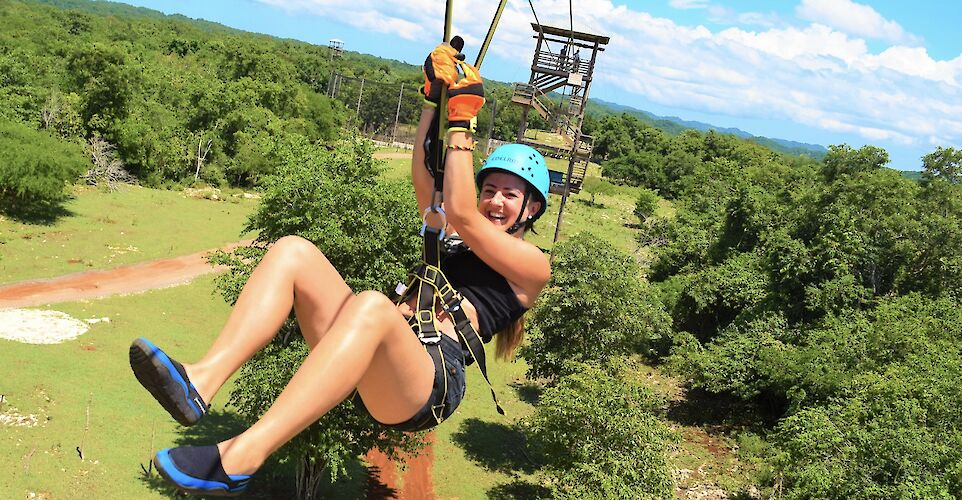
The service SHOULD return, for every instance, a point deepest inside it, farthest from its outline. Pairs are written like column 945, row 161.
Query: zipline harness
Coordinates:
column 427, row 280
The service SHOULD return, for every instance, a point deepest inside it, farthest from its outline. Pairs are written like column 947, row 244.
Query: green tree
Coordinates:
column 599, row 435
column 646, row 205
column 35, row 169
column 595, row 306
column 368, row 230
column 106, row 79
column 845, row 160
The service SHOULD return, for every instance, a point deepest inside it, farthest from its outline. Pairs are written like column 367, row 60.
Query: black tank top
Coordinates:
column 489, row 293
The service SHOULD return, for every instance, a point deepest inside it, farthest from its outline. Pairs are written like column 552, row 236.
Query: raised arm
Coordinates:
column 420, row 177
column 520, row 262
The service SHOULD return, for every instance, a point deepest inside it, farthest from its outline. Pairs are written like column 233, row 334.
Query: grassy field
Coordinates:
column 104, row 230
column 84, row 396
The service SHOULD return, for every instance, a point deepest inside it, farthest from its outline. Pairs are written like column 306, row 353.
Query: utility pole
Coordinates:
column 357, row 112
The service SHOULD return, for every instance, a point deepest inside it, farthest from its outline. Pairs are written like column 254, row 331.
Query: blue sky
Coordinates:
column 887, row 73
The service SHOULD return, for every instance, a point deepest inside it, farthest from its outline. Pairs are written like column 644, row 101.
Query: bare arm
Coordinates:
column 520, row 262
column 422, row 180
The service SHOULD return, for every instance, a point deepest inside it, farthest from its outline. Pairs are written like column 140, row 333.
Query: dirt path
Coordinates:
column 120, row 280
column 414, row 482
column 384, row 480
column 392, row 156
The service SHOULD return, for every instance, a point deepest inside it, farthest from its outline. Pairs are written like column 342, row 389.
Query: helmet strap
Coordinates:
column 518, row 224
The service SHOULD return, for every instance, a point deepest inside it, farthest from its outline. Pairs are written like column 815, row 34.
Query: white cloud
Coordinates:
column 855, row 19
column 815, row 75
column 688, row 4
column 725, row 15
column 409, row 19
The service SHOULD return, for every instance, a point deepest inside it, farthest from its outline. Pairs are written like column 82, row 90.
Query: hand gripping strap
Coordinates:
column 434, row 152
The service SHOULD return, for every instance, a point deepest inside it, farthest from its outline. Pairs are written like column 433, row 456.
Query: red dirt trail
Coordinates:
column 415, row 482
column 120, row 280
column 383, row 478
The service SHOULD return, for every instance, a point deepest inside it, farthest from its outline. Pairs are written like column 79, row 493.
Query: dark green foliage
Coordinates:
column 35, row 169
column 367, row 228
column 646, row 205
column 162, row 88
column 889, row 439
column 599, row 436
column 829, row 293
column 595, row 306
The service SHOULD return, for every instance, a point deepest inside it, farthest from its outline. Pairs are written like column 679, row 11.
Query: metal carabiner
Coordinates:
column 436, row 209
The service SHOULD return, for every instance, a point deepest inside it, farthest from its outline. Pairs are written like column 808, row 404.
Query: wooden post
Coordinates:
column 397, row 114
column 357, row 113
column 564, row 195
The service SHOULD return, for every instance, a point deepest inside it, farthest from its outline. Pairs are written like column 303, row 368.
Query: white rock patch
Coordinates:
column 34, row 326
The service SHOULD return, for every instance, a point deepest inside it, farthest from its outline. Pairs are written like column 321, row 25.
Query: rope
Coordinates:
column 536, row 21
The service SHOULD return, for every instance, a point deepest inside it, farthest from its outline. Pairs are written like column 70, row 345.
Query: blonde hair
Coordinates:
column 509, row 339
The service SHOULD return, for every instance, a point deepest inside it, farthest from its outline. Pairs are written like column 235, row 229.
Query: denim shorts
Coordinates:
column 448, row 390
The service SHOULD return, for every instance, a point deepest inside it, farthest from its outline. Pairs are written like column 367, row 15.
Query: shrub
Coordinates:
column 866, row 447
column 646, row 205
column 35, row 168
column 600, row 436
column 595, row 306
column 368, row 230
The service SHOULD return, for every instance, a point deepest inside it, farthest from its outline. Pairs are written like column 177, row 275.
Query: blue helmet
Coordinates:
column 523, row 161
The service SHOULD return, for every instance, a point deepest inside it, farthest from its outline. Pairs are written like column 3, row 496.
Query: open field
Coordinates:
column 83, row 395
column 104, row 230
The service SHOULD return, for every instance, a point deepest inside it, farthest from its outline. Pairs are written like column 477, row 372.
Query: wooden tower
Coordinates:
column 564, row 63
column 336, row 47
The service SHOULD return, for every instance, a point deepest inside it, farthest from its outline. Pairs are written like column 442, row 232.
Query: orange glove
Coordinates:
column 440, row 69
column 465, row 99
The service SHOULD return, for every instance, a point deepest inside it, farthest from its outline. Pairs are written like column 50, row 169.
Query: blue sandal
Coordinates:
column 167, row 381
column 198, row 470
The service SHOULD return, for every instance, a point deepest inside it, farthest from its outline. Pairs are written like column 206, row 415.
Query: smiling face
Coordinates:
column 501, row 197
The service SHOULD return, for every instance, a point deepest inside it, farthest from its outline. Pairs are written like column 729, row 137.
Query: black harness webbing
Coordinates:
column 431, row 286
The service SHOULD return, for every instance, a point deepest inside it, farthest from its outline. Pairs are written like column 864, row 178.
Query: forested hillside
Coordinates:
column 178, row 101
column 818, row 298
column 826, row 295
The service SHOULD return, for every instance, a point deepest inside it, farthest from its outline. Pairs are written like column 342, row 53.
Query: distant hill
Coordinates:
column 675, row 125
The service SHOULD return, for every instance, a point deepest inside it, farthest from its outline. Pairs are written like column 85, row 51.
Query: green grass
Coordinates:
column 106, row 230
column 62, row 382
column 476, row 450
column 549, row 138
column 86, row 395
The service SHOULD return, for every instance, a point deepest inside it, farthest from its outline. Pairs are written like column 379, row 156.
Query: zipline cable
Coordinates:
column 442, row 115
column 490, row 35
column 537, row 22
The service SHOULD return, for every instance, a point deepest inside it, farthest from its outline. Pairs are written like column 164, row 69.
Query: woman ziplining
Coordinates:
column 363, row 342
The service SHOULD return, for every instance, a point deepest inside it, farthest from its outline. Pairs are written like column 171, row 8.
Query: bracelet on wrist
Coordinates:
column 470, row 146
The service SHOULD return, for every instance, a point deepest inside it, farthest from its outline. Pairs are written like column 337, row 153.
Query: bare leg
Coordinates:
column 293, row 273
column 370, row 347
